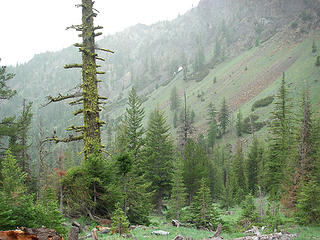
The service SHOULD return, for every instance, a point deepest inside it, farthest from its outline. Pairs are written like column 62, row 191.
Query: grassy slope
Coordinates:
column 251, row 76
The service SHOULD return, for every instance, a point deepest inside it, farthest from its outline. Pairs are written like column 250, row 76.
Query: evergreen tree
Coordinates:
column 178, row 192
column 195, row 167
column 212, row 130
column 314, row 47
column 120, row 223
column 17, row 207
column 203, row 212
column 281, row 144
column 174, row 99
column 306, row 183
column 252, row 166
column 224, row 116
column 238, row 175
column 5, row 91
column 239, row 124
column 159, row 156
column 249, row 209
column 130, row 139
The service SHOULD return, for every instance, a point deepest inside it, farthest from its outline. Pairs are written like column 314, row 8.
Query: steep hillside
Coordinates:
column 245, row 44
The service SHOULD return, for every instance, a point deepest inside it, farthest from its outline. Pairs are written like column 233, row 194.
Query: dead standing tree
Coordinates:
column 88, row 96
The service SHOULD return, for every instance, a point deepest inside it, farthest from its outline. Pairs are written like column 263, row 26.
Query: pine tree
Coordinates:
column 213, row 129
column 238, row 176
column 120, row 223
column 239, row 124
column 174, row 99
column 195, row 167
column 314, row 47
column 252, row 166
column 5, row 92
column 282, row 142
column 203, row 212
column 133, row 124
column 130, row 139
column 306, row 183
column 159, row 156
column 88, row 96
column 224, row 116
column 178, row 192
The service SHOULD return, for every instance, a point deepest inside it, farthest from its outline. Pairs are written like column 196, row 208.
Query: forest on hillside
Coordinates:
column 157, row 150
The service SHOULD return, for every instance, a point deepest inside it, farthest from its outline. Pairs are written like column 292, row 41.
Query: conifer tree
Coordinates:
column 174, row 99
column 120, row 223
column 195, row 167
column 130, row 139
column 307, row 182
column 212, row 130
column 159, row 156
column 252, row 166
column 224, row 116
column 239, row 124
column 203, row 212
column 5, row 92
column 282, row 142
column 178, row 192
column 238, row 175
column 88, row 96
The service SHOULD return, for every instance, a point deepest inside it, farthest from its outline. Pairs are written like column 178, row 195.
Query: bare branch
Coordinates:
column 61, row 97
column 105, row 50
column 71, row 138
column 75, row 65
column 78, row 112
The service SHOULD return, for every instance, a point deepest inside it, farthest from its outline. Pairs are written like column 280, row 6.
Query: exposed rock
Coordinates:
column 179, row 237
column 30, row 234
column 160, row 233
column 175, row 223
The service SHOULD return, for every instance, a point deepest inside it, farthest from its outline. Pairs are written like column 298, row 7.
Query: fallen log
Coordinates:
column 30, row 234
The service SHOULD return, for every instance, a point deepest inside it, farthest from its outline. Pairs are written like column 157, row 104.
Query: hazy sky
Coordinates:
column 29, row 27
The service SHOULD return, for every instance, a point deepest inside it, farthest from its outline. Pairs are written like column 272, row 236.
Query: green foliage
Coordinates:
column 250, row 124
column 314, row 47
column 274, row 218
column 195, row 167
column 178, row 192
column 294, row 25
column 124, row 162
column 262, row 102
column 159, row 156
column 120, row 223
column 249, row 209
column 18, row 208
column 253, row 163
column 174, row 99
column 318, row 61
column 5, row 91
column 308, row 202
column 224, row 116
column 204, row 214
column 239, row 124
column 282, row 144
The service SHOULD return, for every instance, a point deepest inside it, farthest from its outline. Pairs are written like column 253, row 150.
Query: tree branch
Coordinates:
column 61, row 97
column 71, row 138
column 75, row 65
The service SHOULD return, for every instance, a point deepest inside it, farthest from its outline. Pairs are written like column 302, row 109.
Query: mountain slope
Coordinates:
column 245, row 44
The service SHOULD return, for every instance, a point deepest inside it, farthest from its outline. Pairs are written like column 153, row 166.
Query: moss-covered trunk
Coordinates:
column 91, row 119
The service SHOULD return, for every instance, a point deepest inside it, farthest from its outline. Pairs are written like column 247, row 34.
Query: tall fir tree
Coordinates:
column 159, row 157
column 204, row 213
column 178, row 191
column 238, row 176
column 174, row 99
column 224, row 116
column 252, row 166
column 281, row 143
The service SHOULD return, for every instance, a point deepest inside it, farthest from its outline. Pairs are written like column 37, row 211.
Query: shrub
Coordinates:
column 294, row 25
column 318, row 61
column 262, row 102
column 249, row 209
column 250, row 124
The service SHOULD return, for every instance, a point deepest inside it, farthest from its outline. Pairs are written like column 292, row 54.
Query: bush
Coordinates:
column 262, row 102
column 294, row 25
column 318, row 61
column 250, row 124
column 249, row 209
